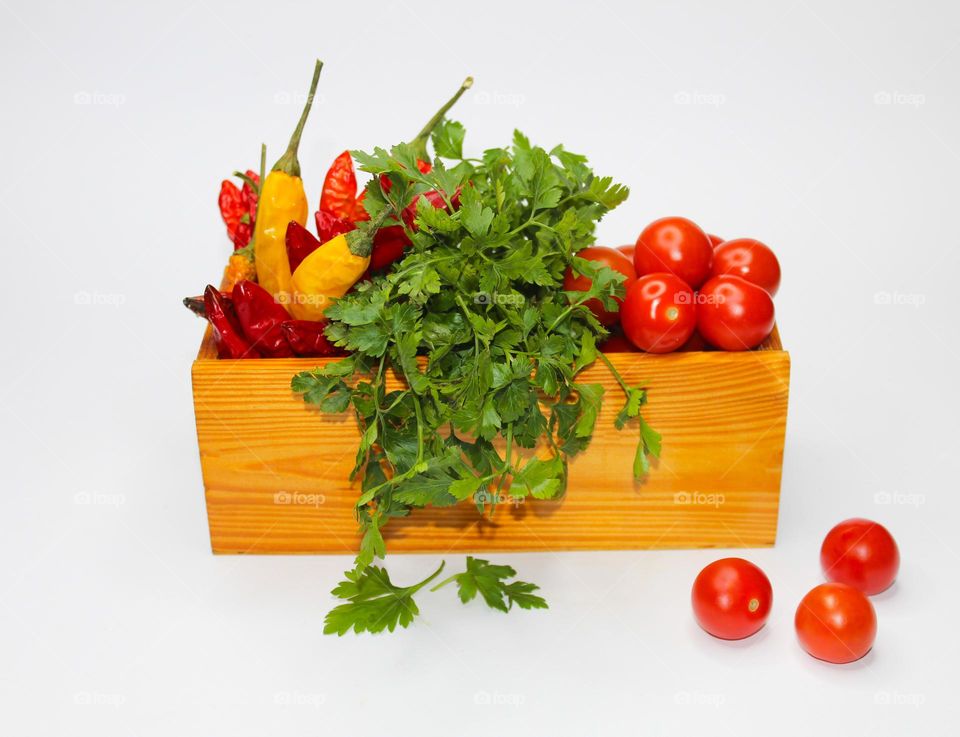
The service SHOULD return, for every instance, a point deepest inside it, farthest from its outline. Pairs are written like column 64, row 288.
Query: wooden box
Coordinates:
column 275, row 469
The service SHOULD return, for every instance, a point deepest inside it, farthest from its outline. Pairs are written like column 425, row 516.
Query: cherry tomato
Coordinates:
column 628, row 250
column 715, row 240
column 658, row 314
column 612, row 258
column 617, row 343
column 733, row 314
column 731, row 598
column 862, row 554
column 836, row 623
column 749, row 259
column 675, row 245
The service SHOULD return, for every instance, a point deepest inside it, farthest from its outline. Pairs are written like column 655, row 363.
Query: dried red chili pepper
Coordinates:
column 306, row 338
column 435, row 198
column 339, row 194
column 260, row 316
column 388, row 246
column 300, row 243
column 425, row 167
column 238, row 208
column 329, row 225
column 227, row 333
column 230, row 205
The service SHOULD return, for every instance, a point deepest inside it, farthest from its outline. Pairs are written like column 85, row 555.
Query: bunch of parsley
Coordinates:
column 476, row 322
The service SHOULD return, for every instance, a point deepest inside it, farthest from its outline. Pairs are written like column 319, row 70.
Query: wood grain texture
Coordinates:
column 275, row 470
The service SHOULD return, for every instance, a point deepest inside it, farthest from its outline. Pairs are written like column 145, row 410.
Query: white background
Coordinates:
column 829, row 130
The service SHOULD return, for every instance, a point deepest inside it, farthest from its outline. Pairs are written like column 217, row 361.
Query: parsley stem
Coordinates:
column 445, row 581
column 506, row 459
column 419, row 410
column 616, row 374
column 564, row 314
column 416, row 587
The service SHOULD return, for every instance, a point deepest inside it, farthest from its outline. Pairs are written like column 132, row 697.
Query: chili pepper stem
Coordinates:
column 289, row 163
column 420, row 142
column 195, row 305
column 263, row 167
column 360, row 241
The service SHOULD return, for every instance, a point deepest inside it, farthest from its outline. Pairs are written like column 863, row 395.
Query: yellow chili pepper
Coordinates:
column 330, row 271
column 282, row 199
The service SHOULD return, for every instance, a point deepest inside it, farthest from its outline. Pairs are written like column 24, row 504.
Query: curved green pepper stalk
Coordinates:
column 419, row 143
column 289, row 163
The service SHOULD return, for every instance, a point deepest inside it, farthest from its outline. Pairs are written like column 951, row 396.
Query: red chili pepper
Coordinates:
column 231, row 206
column 227, row 333
column 197, row 306
column 301, row 243
column 238, row 208
column 329, row 226
column 435, row 199
column 425, row 167
column 339, row 194
column 389, row 243
column 260, row 316
column 306, row 338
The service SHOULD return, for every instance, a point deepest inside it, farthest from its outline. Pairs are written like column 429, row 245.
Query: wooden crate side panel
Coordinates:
column 275, row 470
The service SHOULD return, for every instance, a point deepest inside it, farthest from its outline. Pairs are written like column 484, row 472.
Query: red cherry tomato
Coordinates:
column 862, row 554
column 675, row 245
column 612, row 258
column 628, row 250
column 749, row 259
column 658, row 314
column 733, row 314
column 731, row 598
column 715, row 240
column 836, row 623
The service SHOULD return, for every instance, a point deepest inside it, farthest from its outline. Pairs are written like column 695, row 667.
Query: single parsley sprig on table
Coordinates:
column 479, row 294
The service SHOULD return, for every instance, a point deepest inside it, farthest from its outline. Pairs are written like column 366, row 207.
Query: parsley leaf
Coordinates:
column 374, row 603
column 489, row 580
